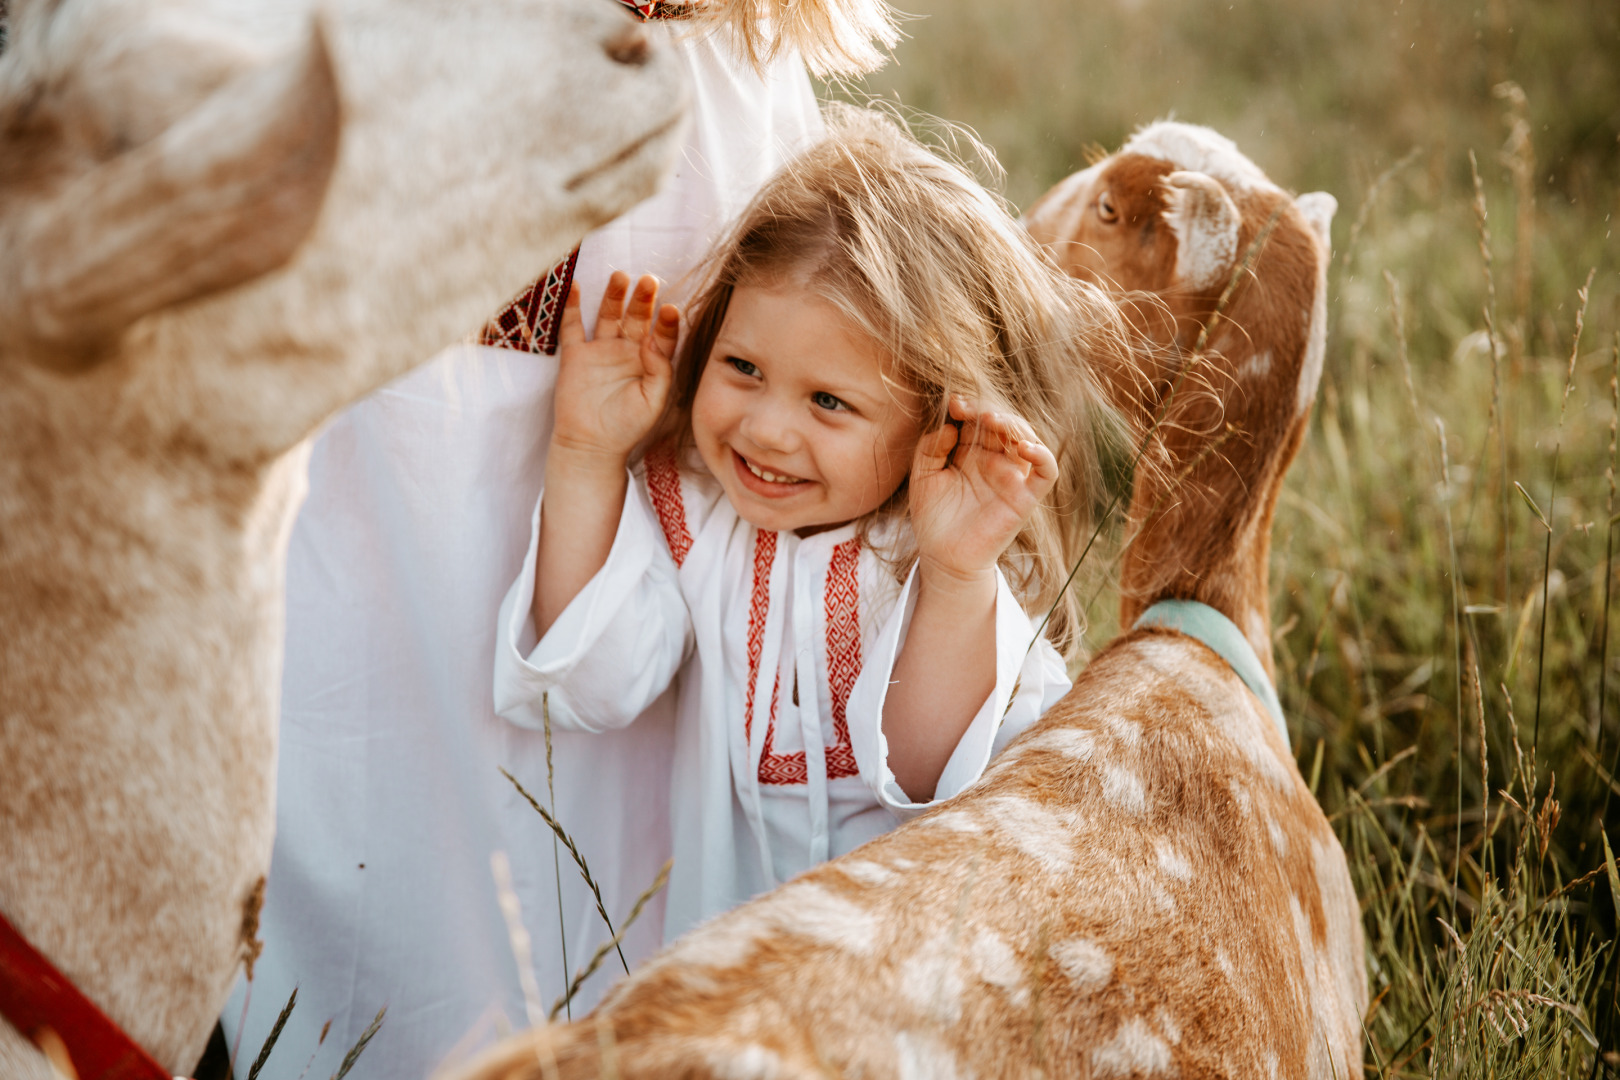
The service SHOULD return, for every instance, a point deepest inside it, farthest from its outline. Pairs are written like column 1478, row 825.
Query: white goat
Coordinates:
column 205, row 250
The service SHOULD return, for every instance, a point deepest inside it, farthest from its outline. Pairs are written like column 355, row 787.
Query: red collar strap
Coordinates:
column 35, row 997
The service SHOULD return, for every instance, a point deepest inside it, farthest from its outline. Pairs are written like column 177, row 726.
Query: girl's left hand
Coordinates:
column 973, row 487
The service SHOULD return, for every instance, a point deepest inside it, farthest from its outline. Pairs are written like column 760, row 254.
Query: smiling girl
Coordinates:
column 866, row 474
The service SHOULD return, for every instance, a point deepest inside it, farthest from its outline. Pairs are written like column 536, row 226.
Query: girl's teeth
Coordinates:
column 769, row 477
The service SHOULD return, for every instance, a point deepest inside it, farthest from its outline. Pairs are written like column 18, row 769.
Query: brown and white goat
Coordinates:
column 211, row 241
column 1142, row 885
column 1163, row 225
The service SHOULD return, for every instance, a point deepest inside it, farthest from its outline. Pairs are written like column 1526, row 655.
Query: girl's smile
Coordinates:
column 768, row 483
column 794, row 416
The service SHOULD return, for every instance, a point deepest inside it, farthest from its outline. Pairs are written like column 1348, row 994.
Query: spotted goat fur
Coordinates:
column 214, row 235
column 1142, row 885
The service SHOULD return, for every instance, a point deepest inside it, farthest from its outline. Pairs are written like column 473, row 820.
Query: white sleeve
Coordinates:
column 1028, row 682
column 616, row 646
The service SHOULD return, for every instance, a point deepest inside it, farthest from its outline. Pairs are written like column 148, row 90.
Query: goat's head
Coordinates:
column 1223, row 275
column 155, row 156
column 1162, row 217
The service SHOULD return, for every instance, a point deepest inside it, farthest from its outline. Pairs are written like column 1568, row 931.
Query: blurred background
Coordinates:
column 1441, row 639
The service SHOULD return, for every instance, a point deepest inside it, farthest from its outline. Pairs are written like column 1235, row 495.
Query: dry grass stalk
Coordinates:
column 579, row 859
column 274, row 1036
column 556, row 856
column 1608, row 579
column 602, row 950
column 360, row 1045
column 1519, row 155
column 1398, row 317
column 1584, row 294
column 518, row 934
column 1498, row 421
column 1373, row 192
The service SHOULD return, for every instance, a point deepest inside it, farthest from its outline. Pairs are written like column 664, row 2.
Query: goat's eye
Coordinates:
column 1105, row 208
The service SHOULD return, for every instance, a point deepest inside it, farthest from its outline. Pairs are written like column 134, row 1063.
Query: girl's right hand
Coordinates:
column 611, row 389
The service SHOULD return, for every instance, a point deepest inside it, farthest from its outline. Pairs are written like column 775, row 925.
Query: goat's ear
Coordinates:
column 1318, row 208
column 1205, row 222
column 223, row 196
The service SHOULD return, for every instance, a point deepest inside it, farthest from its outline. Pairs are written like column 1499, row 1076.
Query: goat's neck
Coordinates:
column 1199, row 523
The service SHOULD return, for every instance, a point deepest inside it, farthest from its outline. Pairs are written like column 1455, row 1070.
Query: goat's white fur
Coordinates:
column 156, row 394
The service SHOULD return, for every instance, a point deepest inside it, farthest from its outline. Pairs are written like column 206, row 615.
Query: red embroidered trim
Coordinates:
column 842, row 600
column 530, row 322
column 759, row 606
column 664, row 486
column 34, row 995
column 780, row 768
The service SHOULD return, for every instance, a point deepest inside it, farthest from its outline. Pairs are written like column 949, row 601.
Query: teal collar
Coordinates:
column 1203, row 622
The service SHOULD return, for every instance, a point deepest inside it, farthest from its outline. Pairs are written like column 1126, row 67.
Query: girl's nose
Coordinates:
column 769, row 426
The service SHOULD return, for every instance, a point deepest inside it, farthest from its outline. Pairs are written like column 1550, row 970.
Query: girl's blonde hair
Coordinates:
column 933, row 269
column 835, row 37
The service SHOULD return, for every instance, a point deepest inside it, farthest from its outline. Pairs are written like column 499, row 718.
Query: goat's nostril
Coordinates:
column 628, row 46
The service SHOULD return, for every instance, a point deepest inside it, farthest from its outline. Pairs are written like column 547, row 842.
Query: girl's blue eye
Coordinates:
column 743, row 367
column 825, row 400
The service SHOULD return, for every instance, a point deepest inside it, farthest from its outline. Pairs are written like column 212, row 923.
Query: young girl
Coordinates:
column 865, row 479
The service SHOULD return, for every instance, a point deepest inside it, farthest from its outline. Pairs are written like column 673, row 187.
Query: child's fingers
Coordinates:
column 1006, row 430
column 981, row 433
column 638, row 314
column 658, row 345
column 571, row 330
column 608, row 316
column 934, row 450
column 665, row 330
column 990, row 429
column 1002, row 433
column 1043, row 466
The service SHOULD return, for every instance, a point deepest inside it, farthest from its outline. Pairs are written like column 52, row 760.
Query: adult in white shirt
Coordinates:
column 389, row 798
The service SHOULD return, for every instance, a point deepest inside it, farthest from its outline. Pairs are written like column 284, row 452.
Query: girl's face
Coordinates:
column 794, row 417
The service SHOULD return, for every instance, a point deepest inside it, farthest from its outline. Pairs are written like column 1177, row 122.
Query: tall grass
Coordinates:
column 1442, row 639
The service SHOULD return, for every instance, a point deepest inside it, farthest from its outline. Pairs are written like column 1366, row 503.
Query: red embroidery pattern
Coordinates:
column 664, row 485
column 530, row 322
column 842, row 601
column 759, row 606
column 780, row 768
column 843, row 649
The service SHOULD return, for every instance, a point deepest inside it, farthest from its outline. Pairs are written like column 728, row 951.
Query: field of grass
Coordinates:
column 1442, row 638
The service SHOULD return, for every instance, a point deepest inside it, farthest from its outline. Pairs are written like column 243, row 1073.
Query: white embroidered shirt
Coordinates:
column 782, row 649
